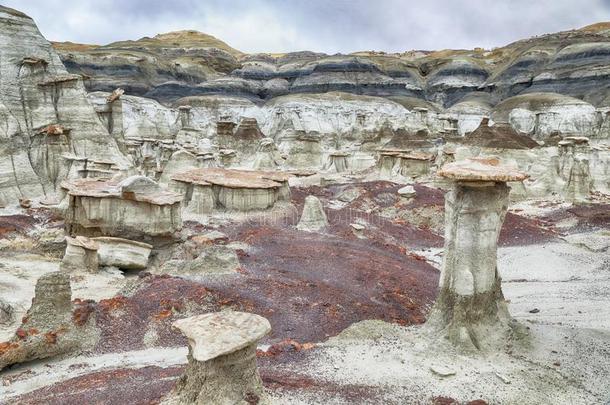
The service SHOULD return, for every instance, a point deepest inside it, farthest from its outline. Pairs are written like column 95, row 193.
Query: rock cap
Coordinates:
column 481, row 169
column 83, row 241
column 220, row 333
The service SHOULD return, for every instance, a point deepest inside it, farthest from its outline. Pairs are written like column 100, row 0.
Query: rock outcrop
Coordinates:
column 49, row 327
column 81, row 255
column 211, row 189
column 313, row 217
column 123, row 253
column 187, row 63
column 222, row 360
column 45, row 114
column 135, row 206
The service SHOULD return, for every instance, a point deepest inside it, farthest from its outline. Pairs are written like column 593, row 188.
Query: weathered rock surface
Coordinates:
column 212, row 261
column 49, row 327
column 228, row 189
column 313, row 217
column 45, row 114
column 6, row 313
column 81, row 255
column 222, row 355
column 135, row 206
column 123, row 253
column 470, row 309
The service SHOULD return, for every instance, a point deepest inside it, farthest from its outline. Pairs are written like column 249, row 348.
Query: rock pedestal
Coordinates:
column 313, row 218
column 470, row 310
column 81, row 255
column 222, row 360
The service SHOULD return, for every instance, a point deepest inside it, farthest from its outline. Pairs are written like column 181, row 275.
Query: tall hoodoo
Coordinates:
column 470, row 310
column 222, row 360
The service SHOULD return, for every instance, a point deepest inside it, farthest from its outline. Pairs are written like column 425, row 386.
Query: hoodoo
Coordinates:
column 222, row 360
column 470, row 309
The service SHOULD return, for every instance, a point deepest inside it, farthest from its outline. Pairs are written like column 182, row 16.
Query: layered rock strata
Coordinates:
column 135, row 206
column 123, row 253
column 45, row 114
column 81, row 255
column 211, row 189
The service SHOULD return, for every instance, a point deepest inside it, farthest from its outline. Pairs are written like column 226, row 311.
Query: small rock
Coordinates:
column 407, row 191
column 358, row 227
column 349, row 195
column 534, row 311
column 503, row 378
column 442, row 371
column 25, row 203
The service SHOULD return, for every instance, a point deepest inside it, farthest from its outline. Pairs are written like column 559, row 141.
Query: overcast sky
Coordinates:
column 320, row 25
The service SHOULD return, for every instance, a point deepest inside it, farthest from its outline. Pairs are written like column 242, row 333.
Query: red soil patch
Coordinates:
column 19, row 224
column 311, row 286
column 142, row 386
column 589, row 216
column 123, row 321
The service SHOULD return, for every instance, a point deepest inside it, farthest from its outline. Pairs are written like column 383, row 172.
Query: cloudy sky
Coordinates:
column 321, row 25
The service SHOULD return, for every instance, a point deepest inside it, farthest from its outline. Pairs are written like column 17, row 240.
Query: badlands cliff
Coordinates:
column 182, row 222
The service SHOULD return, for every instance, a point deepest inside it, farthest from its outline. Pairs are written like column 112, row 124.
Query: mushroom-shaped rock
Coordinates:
column 313, row 218
column 222, row 359
column 81, row 255
column 470, row 309
column 481, row 169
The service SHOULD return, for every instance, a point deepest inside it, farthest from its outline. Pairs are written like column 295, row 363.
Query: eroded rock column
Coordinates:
column 222, row 360
column 470, row 310
column 313, row 218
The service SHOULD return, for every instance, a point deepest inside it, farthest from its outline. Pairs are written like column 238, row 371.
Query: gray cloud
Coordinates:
column 319, row 25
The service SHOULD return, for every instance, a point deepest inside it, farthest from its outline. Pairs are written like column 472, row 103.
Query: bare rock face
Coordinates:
column 81, row 255
column 135, row 206
column 267, row 155
column 45, row 114
column 313, row 218
column 222, row 360
column 123, row 253
column 210, row 189
column 49, row 328
column 470, row 310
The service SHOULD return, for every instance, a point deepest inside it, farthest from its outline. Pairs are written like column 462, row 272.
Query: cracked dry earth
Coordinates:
column 311, row 287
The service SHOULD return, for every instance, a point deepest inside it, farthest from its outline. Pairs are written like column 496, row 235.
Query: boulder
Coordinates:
column 123, row 253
